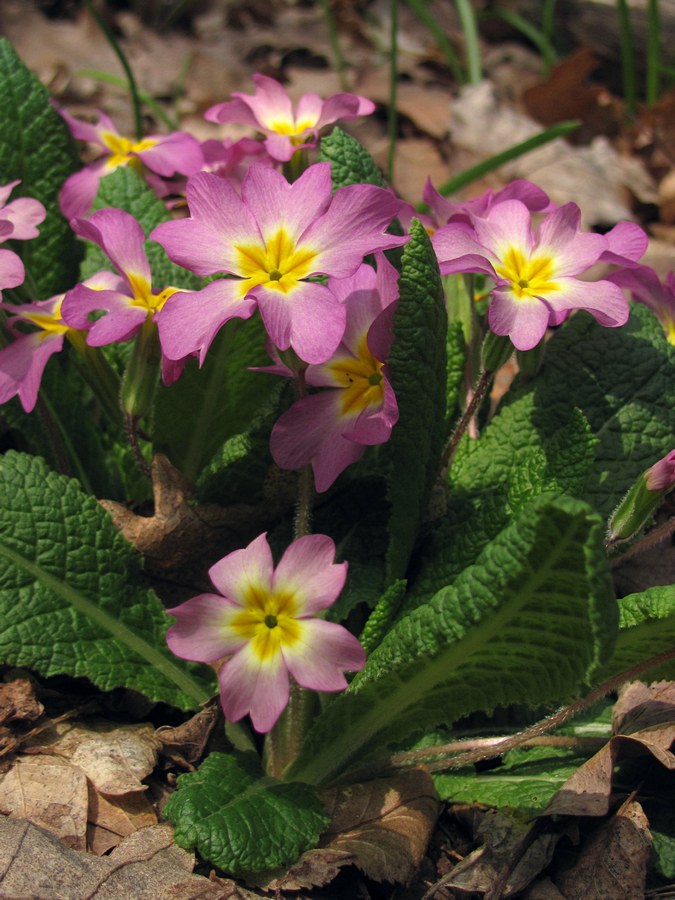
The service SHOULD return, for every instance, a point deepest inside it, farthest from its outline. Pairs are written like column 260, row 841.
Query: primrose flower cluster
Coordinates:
column 270, row 235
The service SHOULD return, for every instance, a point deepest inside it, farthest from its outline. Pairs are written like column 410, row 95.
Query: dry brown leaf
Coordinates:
column 185, row 744
column 49, row 792
column 641, row 706
column 613, row 862
column 315, row 868
column 567, row 94
column 177, row 531
column 595, row 177
column 588, row 791
column 385, row 824
column 507, row 842
column 18, row 702
column 416, row 160
column 426, row 106
column 34, row 865
column 114, row 818
column 115, row 758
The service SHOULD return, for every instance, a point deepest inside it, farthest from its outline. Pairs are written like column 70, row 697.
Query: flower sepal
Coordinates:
column 641, row 502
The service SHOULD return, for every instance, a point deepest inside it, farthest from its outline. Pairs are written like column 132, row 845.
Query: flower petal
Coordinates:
column 219, row 220
column 322, row 653
column 201, row 631
column 189, row 321
column 238, row 571
column 523, row 320
column 121, row 238
column 308, row 571
column 247, row 686
column 291, row 319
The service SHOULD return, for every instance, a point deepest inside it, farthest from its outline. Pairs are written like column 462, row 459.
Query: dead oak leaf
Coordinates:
column 613, row 862
column 145, row 866
column 18, row 702
column 110, row 819
column 588, row 791
column 384, row 824
column 50, row 792
column 114, row 758
column 185, row 744
column 177, row 531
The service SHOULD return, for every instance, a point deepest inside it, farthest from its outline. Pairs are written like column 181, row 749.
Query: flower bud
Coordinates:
column 529, row 361
column 496, row 351
column 142, row 373
column 641, row 501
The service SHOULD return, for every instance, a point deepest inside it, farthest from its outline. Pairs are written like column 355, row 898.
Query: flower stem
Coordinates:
column 283, row 742
column 656, row 536
column 471, row 410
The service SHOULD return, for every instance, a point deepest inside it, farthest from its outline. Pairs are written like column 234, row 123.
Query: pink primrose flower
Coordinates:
column 163, row 154
column 18, row 221
column 23, row 214
column 274, row 237
column 270, row 110
column 661, row 476
column 534, row 270
column 443, row 210
column 645, row 287
column 331, row 429
column 262, row 621
column 23, row 362
column 128, row 298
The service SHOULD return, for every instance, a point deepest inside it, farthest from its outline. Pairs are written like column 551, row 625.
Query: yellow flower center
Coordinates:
column 268, row 621
column 529, row 278
column 362, row 380
column 277, row 264
column 51, row 323
column 670, row 331
column 290, row 128
column 121, row 149
column 144, row 297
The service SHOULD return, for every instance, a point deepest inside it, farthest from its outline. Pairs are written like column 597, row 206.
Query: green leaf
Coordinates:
column 237, row 471
column 36, row 147
column 646, row 628
column 241, row 820
column 417, row 371
column 355, row 517
column 349, row 160
column 382, row 616
column 525, row 624
column 195, row 416
column 662, row 830
column 526, row 779
column 525, row 451
column 456, row 350
column 125, row 189
column 622, row 380
column 66, row 429
column 72, row 594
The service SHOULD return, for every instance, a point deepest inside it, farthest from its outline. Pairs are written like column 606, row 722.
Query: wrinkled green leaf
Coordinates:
column 525, row 624
column 417, row 371
column 525, row 451
column 349, row 160
column 646, row 628
column 195, row 416
column 72, row 596
column 242, row 821
column 36, row 147
column 526, row 779
column 456, row 349
column 622, row 380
